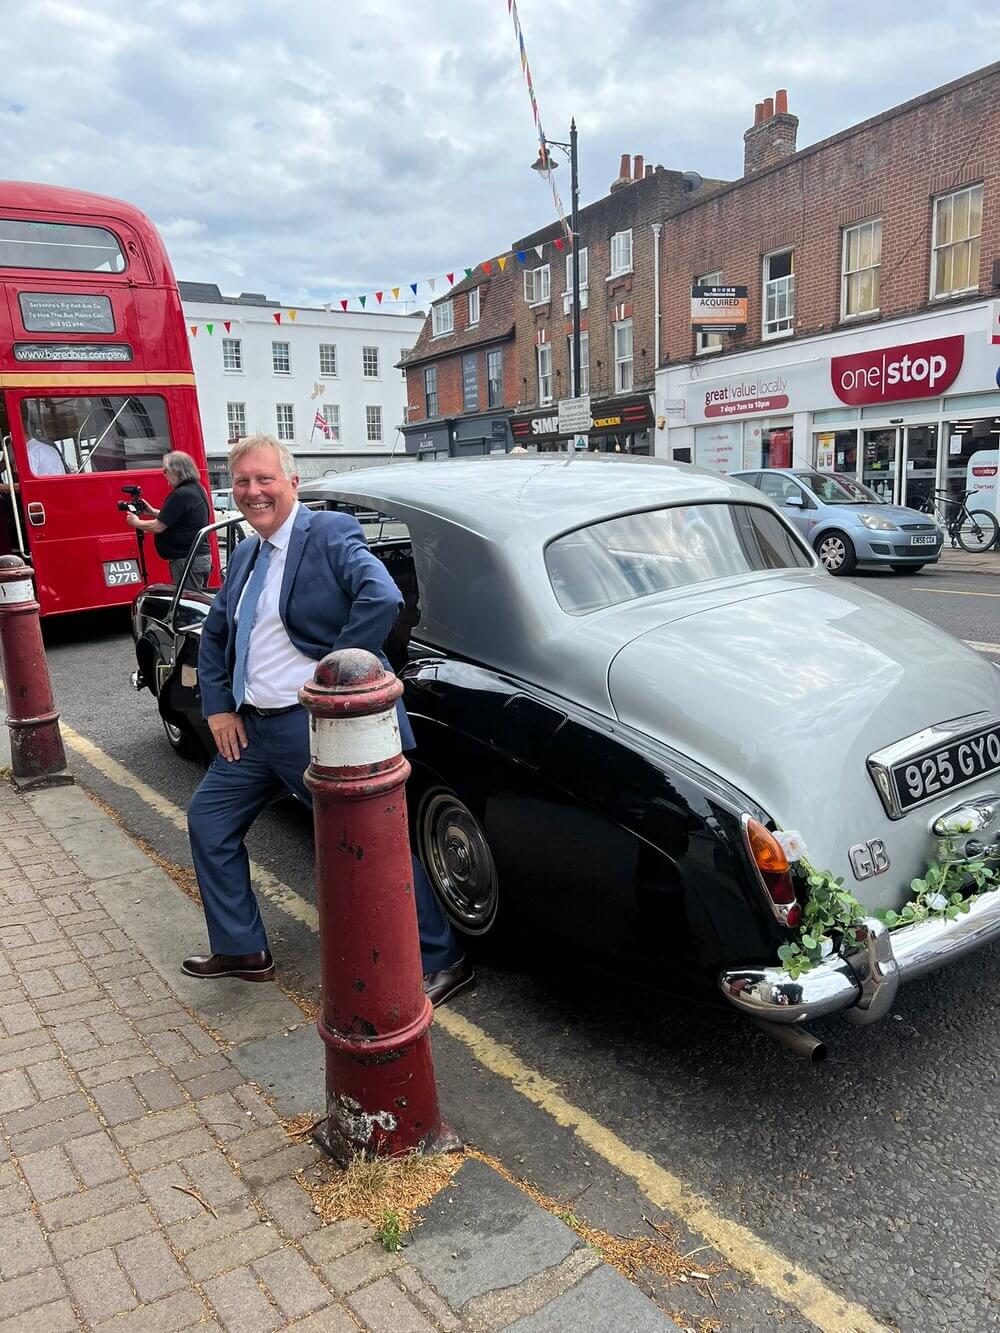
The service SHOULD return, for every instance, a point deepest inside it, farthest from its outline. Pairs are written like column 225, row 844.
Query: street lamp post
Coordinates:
column 543, row 166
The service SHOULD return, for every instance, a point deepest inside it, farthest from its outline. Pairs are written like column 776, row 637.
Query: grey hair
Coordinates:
column 252, row 442
column 180, row 467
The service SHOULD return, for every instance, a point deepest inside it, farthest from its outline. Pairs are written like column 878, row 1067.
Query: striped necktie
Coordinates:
column 246, row 615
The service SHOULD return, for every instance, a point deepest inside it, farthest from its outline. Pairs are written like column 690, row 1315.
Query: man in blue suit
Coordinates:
column 306, row 587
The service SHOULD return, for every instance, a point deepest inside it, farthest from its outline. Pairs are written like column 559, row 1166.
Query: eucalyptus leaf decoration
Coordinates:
column 831, row 914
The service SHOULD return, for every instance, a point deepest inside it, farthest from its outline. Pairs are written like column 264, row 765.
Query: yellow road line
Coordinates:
column 983, row 647
column 738, row 1245
column 950, row 592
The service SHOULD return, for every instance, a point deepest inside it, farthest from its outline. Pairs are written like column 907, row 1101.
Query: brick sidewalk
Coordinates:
column 114, row 1101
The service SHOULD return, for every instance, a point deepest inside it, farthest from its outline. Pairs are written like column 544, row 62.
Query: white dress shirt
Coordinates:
column 276, row 670
column 44, row 459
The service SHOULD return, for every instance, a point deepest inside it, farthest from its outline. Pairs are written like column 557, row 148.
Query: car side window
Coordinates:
column 773, row 486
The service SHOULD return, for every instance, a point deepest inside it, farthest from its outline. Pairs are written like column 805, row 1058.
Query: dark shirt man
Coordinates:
column 174, row 526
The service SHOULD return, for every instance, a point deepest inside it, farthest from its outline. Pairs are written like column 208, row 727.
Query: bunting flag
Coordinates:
column 486, row 268
column 533, row 101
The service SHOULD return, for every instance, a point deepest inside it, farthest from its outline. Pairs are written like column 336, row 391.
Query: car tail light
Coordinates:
column 772, row 868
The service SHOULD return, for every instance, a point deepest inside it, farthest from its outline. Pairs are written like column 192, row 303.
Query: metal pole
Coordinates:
column 36, row 750
column 381, row 1097
column 575, row 227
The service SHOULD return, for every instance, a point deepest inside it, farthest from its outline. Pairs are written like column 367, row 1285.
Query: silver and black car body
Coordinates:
column 614, row 666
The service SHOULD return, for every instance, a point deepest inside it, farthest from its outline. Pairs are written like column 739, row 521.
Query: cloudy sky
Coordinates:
column 314, row 149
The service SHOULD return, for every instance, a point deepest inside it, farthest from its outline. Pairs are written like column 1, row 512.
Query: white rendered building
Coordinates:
column 263, row 366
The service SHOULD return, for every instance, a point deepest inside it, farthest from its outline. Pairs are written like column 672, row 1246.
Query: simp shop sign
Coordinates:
column 895, row 374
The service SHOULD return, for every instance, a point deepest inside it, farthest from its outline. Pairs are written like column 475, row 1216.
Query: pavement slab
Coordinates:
column 152, row 1186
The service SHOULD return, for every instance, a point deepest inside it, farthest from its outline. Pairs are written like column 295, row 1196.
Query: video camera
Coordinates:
column 133, row 505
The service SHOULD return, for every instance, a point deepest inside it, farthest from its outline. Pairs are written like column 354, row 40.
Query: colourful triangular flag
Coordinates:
column 538, row 251
column 431, row 282
column 413, row 288
column 521, row 256
column 502, row 261
column 292, row 314
column 362, row 300
column 451, row 279
column 485, row 266
column 395, row 293
column 210, row 327
column 227, row 324
column 378, row 297
column 559, row 243
column 343, row 303
column 194, row 330
column 276, row 316
column 468, row 272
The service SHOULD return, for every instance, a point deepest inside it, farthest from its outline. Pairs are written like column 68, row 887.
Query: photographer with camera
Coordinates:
column 176, row 524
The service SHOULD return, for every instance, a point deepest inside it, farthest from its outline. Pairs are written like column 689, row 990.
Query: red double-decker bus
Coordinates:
column 96, row 385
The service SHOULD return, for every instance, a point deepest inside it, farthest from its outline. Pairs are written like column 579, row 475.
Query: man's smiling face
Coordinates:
column 263, row 494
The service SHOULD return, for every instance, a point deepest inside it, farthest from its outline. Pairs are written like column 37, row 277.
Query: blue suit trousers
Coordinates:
column 227, row 802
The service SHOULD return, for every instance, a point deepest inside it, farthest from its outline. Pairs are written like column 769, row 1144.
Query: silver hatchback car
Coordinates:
column 846, row 523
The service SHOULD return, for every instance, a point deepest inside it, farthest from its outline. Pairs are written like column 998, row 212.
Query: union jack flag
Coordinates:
column 320, row 423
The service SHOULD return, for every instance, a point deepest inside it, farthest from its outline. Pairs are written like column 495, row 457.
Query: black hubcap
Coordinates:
column 459, row 862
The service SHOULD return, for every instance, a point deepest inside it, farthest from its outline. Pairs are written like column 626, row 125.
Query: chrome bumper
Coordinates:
column 863, row 983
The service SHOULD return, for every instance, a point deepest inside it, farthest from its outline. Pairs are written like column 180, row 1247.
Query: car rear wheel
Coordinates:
column 907, row 569
column 181, row 740
column 452, row 847
column 836, row 551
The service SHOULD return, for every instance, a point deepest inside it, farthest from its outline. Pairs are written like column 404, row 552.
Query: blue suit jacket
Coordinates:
column 334, row 594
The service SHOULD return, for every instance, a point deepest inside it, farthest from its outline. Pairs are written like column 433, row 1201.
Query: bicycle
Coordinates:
column 971, row 529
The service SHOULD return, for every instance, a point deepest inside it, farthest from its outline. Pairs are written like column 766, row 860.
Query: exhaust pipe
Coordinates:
column 796, row 1038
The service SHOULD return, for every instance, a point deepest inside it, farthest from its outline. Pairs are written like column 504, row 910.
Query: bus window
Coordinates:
column 59, row 245
column 110, row 433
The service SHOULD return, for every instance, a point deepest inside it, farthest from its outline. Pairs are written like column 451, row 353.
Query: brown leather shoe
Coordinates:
column 439, row 987
column 244, row 966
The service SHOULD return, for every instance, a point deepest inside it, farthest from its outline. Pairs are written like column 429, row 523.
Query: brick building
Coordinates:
column 620, row 261
column 871, row 263
column 461, row 374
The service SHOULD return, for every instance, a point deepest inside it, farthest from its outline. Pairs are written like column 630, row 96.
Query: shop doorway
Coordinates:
column 920, row 476
column 880, row 467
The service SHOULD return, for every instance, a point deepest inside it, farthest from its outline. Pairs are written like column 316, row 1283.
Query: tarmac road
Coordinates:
column 877, row 1171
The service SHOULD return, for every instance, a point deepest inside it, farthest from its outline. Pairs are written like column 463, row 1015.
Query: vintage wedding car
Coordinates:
column 636, row 695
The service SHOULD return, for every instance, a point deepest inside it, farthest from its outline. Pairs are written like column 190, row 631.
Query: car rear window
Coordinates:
column 639, row 554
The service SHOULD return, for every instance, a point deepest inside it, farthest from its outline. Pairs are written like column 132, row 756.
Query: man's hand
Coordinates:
column 228, row 733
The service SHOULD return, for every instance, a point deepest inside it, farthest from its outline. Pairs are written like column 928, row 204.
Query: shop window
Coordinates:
column 779, row 294
column 623, row 356
column 958, row 225
column 972, row 461
column 708, row 342
column 836, row 451
column 861, row 265
column 545, row 373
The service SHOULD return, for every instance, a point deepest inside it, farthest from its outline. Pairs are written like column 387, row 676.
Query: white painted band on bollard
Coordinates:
column 351, row 742
column 19, row 591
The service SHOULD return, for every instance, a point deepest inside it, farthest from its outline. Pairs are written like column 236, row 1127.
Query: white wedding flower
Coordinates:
column 792, row 844
column 937, row 902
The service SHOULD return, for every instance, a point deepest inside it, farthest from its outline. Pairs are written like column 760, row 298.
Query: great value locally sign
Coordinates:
column 897, row 374
column 763, row 392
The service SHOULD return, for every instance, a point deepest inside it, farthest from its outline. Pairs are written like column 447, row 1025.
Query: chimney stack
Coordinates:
column 624, row 173
column 637, row 171
column 772, row 135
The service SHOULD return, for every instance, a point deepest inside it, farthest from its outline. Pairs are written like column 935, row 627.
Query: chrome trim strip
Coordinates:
column 770, row 993
column 920, row 743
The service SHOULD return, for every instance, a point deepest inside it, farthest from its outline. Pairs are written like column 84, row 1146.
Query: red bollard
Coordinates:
column 37, row 755
column 381, row 1097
